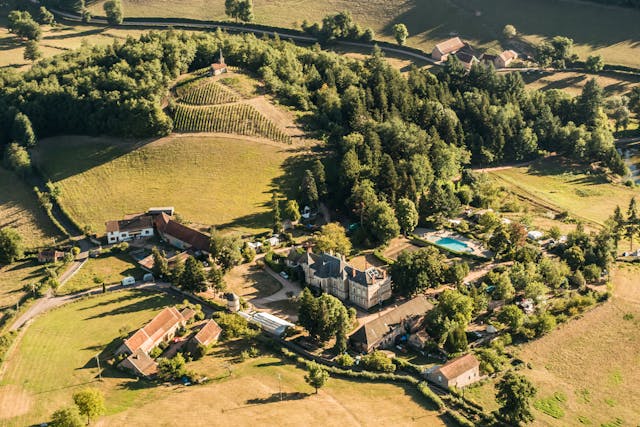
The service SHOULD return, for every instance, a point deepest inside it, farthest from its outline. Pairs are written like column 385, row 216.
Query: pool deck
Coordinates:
column 434, row 235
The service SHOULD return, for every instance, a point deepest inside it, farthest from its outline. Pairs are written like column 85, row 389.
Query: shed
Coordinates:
column 268, row 322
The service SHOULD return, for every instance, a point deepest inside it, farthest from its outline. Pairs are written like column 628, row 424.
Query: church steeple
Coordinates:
column 221, row 60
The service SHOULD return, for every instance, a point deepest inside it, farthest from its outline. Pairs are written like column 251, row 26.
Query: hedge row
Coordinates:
column 459, row 419
column 378, row 254
column 426, row 391
column 53, row 219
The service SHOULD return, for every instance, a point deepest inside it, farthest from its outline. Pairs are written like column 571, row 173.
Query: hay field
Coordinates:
column 211, row 180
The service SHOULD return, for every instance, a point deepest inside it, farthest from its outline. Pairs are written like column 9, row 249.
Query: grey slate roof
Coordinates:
column 372, row 332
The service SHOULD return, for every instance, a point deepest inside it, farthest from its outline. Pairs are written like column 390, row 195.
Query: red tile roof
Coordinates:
column 217, row 66
column 508, row 55
column 209, row 333
column 450, row 45
column 193, row 238
column 458, row 366
column 153, row 332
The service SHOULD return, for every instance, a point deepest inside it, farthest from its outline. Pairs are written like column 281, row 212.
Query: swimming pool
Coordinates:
column 453, row 244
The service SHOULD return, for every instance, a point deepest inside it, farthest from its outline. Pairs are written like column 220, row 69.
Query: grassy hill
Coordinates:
column 563, row 186
column 19, row 209
column 608, row 31
column 55, row 358
column 587, row 371
column 226, row 181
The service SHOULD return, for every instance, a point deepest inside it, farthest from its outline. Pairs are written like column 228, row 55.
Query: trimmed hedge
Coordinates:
column 459, row 419
column 424, row 389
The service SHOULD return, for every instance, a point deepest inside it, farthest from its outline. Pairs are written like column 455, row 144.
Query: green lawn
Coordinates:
column 562, row 186
column 19, row 208
column 55, row 358
column 607, row 31
column 110, row 269
column 224, row 181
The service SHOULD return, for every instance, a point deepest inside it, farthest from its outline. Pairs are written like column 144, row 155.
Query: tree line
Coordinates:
column 394, row 137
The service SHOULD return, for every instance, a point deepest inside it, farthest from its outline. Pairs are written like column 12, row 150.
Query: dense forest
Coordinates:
column 394, row 136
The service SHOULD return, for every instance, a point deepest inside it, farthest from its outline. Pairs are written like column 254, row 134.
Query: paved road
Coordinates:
column 239, row 29
column 50, row 301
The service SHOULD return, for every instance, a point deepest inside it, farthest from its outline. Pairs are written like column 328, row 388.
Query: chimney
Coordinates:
column 308, row 249
column 353, row 272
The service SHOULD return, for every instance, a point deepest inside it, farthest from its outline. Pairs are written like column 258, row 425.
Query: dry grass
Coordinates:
column 572, row 82
column 594, row 361
column 398, row 245
column 19, row 209
column 250, row 281
column 561, row 186
column 221, row 180
column 14, row 277
column 110, row 269
column 596, row 29
column 57, row 40
column 54, row 359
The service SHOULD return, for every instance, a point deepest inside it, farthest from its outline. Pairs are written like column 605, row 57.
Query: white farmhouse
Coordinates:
column 131, row 227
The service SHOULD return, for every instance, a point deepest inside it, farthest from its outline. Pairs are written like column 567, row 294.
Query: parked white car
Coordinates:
column 128, row 281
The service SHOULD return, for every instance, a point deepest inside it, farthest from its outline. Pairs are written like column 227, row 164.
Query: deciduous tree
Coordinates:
column 67, row 417
column 400, row 33
column 333, row 238
column 10, row 245
column 113, row 10
column 514, row 395
column 90, row 403
column 316, row 376
column 407, row 215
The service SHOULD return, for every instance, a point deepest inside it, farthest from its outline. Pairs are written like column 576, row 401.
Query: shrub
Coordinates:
column 424, row 389
column 378, row 361
column 344, row 360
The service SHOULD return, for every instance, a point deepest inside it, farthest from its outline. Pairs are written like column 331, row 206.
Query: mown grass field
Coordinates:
column 55, row 358
column 568, row 187
column 56, row 40
column 110, row 269
column 572, row 82
column 14, row 277
column 19, row 209
column 592, row 362
column 226, row 181
column 607, row 31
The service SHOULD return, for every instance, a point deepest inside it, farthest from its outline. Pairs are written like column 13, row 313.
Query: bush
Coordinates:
column 378, row 361
column 344, row 360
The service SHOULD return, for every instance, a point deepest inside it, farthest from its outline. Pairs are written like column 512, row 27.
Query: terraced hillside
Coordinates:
column 203, row 104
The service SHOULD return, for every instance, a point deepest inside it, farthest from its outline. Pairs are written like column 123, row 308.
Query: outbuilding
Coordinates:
column 458, row 372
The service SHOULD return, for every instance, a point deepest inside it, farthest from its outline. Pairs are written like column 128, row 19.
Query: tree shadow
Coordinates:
column 75, row 35
column 482, row 22
column 278, row 397
column 155, row 301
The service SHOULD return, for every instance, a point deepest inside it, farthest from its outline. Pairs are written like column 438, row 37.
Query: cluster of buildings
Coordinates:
column 162, row 329
column 333, row 275
column 160, row 221
column 468, row 56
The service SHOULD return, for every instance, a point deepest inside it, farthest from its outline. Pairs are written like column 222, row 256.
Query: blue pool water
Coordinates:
column 453, row 244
